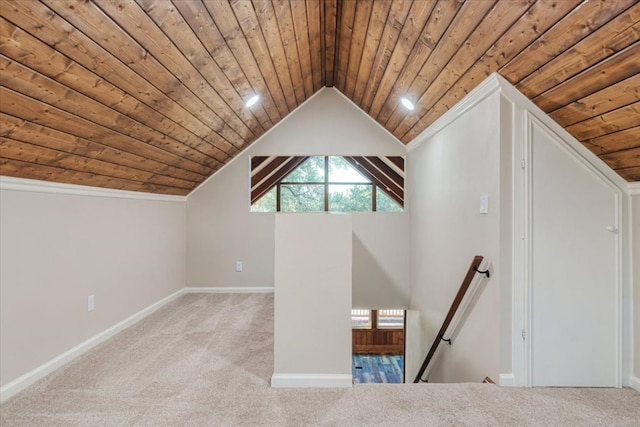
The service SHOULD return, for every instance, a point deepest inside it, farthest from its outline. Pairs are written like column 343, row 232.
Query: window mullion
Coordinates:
column 374, row 206
column 326, row 183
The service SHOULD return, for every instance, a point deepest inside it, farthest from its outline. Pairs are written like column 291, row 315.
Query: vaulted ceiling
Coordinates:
column 149, row 95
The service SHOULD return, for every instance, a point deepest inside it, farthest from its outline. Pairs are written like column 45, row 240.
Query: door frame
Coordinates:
column 522, row 310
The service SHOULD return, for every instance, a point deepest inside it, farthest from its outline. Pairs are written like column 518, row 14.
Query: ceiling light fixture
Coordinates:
column 407, row 104
column 252, row 101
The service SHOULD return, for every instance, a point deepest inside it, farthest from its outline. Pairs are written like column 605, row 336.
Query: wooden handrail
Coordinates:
column 473, row 268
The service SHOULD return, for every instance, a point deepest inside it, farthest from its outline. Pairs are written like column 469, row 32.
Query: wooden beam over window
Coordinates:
column 380, row 174
column 272, row 173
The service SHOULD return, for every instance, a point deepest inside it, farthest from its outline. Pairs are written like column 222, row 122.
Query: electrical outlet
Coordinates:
column 90, row 303
column 238, row 266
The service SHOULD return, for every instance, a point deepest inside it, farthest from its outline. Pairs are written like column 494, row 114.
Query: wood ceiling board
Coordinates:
column 315, row 34
column 20, row 169
column 396, row 18
column 31, row 84
column 619, row 33
column 432, row 31
column 282, row 11
column 221, row 36
column 489, row 28
column 112, row 82
column 203, row 81
column 330, row 40
column 630, row 174
column 265, row 15
column 343, row 44
column 614, row 142
column 618, row 67
column 76, row 80
column 18, row 105
column 415, row 22
column 157, row 88
column 613, row 121
column 371, row 45
column 539, row 18
column 608, row 99
column 18, row 150
column 580, row 22
column 623, row 160
column 229, row 85
column 361, row 21
column 303, row 43
column 252, row 32
column 35, row 134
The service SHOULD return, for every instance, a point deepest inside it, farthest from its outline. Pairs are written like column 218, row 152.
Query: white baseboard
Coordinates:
column 12, row 388
column 634, row 383
column 20, row 383
column 311, row 380
column 506, row 380
column 229, row 290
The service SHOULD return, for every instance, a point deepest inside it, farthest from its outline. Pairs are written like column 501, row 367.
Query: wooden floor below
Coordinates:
column 368, row 368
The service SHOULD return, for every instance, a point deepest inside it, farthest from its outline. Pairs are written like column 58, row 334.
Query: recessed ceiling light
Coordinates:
column 407, row 104
column 252, row 101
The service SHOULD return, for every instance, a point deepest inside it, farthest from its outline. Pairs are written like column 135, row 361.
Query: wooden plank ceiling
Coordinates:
column 148, row 95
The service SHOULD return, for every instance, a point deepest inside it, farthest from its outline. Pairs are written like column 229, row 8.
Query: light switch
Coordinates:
column 484, row 204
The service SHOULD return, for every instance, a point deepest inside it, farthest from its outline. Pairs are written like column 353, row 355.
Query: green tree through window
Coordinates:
column 325, row 183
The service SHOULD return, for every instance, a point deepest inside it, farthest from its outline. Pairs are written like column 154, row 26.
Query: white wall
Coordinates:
column 482, row 147
column 448, row 172
column 56, row 249
column 312, row 325
column 635, row 224
column 222, row 230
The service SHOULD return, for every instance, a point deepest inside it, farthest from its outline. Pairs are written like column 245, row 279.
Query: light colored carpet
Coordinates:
column 206, row 360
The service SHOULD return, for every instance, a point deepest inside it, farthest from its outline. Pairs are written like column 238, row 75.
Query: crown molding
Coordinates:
column 496, row 83
column 633, row 188
column 37, row 186
column 481, row 92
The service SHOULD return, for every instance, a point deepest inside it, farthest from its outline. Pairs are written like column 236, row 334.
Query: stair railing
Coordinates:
column 468, row 278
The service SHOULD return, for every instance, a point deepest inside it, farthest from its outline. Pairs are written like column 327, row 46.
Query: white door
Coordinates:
column 574, row 287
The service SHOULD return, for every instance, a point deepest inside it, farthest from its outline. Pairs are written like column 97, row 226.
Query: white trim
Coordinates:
column 634, row 383
column 515, row 96
column 507, row 380
column 229, row 290
column 564, row 142
column 37, row 186
column 19, row 384
column 490, row 85
column 311, row 380
column 633, row 188
column 12, row 388
column 239, row 155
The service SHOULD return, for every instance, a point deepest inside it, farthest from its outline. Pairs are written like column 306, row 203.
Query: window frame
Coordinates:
column 326, row 182
column 391, row 326
column 374, row 320
column 370, row 323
